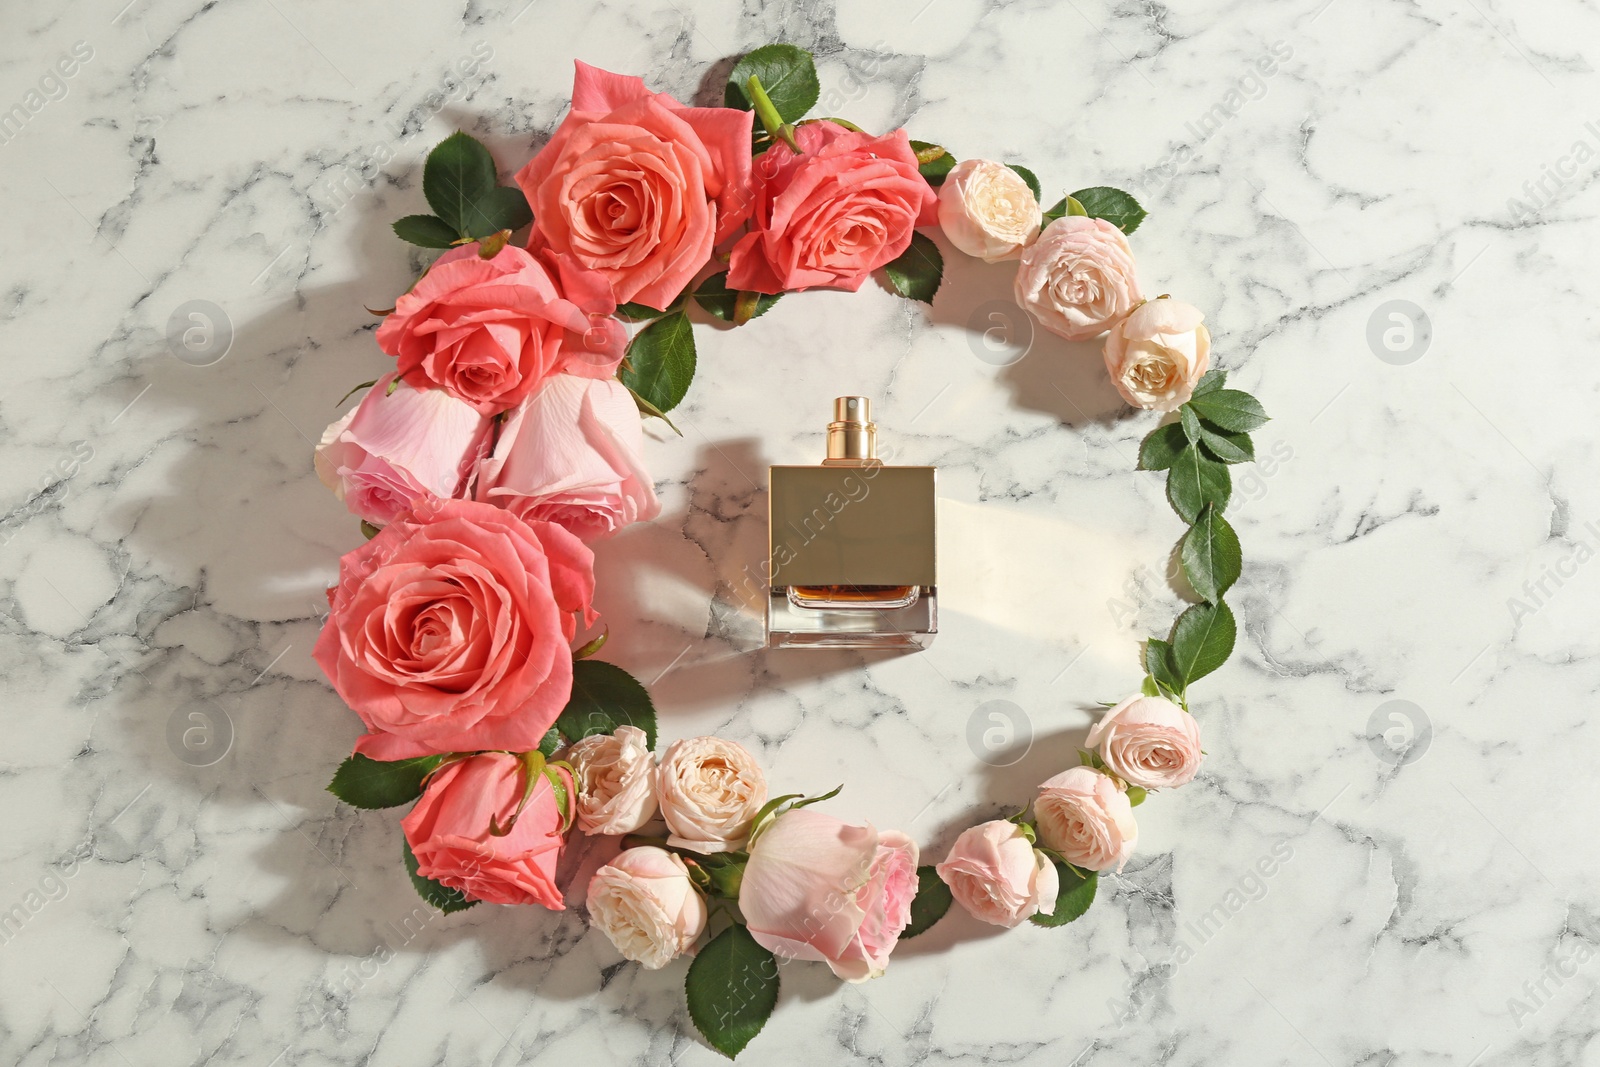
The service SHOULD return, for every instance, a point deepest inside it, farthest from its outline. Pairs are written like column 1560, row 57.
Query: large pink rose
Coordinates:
column 841, row 209
column 451, row 630
column 489, row 331
column 820, row 889
column 571, row 454
column 394, row 449
column 448, row 831
column 637, row 186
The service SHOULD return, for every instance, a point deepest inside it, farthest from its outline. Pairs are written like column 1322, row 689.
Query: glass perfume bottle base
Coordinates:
column 907, row 629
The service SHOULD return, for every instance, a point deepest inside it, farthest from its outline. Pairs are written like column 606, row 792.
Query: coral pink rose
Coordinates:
column 1157, row 355
column 1087, row 818
column 820, row 889
column 996, row 874
column 394, row 449
column 1078, row 278
column 644, row 902
column 448, row 831
column 1148, row 742
column 571, row 454
column 451, row 630
column 841, row 209
column 637, row 186
column 490, row 331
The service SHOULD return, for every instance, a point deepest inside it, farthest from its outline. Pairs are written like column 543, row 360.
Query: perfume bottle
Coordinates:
column 852, row 545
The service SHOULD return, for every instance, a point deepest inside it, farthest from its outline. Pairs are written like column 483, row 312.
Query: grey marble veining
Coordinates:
column 1419, row 529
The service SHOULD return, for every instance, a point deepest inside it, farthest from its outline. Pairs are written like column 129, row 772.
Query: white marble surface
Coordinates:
column 235, row 914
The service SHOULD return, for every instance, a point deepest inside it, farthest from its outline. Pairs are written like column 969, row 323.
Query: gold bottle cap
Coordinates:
column 852, row 435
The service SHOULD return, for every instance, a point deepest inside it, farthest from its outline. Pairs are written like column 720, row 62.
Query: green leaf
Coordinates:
column 638, row 312
column 1210, row 382
column 919, row 269
column 1210, row 555
column 368, row 783
column 1202, row 640
column 933, row 162
column 1063, row 208
column 1159, row 663
column 1136, row 795
column 1161, row 447
column 1190, row 422
column 1115, row 206
column 604, row 697
column 1074, row 896
column 439, row 895
column 1029, row 177
column 788, row 74
column 550, row 742
column 370, row 531
column 715, row 296
column 1147, row 688
column 501, row 208
column 731, row 989
column 1231, row 409
column 929, row 905
column 459, row 172
column 429, row 231
column 1196, row 480
column 661, row 361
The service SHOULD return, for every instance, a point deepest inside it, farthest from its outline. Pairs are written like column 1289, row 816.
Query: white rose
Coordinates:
column 709, row 790
column 987, row 210
column 616, row 781
column 645, row 903
column 1156, row 355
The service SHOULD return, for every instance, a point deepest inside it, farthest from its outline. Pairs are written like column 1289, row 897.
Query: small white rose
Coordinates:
column 645, row 903
column 617, row 781
column 1158, row 354
column 709, row 791
column 987, row 210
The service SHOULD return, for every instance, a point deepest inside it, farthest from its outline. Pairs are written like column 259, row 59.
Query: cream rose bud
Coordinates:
column 1148, row 742
column 1078, row 278
column 995, row 873
column 987, row 210
column 1156, row 355
column 645, row 903
column 709, row 791
column 1084, row 816
column 616, row 781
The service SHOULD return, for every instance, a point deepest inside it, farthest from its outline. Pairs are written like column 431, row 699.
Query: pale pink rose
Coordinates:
column 637, row 187
column 842, row 208
column 451, row 630
column 1157, row 355
column 1084, row 816
column 491, row 331
column 987, row 210
column 1148, row 742
column 1078, row 278
column 394, row 449
column 995, row 873
column 645, row 903
column 709, row 791
column 572, row 454
column 820, row 889
column 616, row 781
column 448, row 831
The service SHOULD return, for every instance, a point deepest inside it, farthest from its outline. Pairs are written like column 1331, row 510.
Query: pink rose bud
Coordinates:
column 1078, row 278
column 616, row 781
column 448, row 831
column 1148, row 742
column 645, row 903
column 1081, row 814
column 995, row 873
column 394, row 449
column 820, row 889
column 572, row 454
column 1158, row 354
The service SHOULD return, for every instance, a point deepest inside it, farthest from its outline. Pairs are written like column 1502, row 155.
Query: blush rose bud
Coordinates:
column 987, row 210
column 996, row 874
column 616, row 781
column 645, row 903
column 1157, row 354
column 1148, row 742
column 1078, row 278
column 1081, row 814
column 709, row 791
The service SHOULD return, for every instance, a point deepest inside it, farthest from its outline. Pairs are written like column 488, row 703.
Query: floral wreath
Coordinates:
column 509, row 436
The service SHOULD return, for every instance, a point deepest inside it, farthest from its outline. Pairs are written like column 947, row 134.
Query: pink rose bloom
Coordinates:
column 638, row 187
column 820, row 889
column 1078, row 278
column 1148, row 742
column 1083, row 815
column 995, row 873
column 841, row 209
column 1157, row 354
column 448, row 831
column 491, row 331
column 451, row 630
column 571, row 454
column 393, row 449
column 644, row 902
